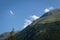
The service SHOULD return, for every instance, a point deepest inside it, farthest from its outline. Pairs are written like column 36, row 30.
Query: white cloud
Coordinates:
column 11, row 12
column 34, row 17
column 51, row 8
column 27, row 22
column 48, row 9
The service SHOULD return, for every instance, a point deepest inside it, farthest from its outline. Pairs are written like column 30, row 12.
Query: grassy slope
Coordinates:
column 46, row 28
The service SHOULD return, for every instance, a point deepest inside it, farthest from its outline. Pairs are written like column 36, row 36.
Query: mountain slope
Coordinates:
column 7, row 35
column 47, row 27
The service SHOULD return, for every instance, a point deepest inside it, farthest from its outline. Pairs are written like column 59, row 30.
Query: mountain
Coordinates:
column 4, row 35
column 7, row 34
column 47, row 27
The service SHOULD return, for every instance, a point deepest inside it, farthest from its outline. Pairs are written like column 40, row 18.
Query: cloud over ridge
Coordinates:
column 29, row 21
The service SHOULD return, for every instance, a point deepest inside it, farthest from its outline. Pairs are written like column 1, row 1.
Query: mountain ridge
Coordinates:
column 40, row 26
column 47, row 27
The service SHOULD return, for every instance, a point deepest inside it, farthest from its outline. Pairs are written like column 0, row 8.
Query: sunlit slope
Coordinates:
column 47, row 27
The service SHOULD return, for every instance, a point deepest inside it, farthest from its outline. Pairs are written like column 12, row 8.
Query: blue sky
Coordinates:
column 14, row 13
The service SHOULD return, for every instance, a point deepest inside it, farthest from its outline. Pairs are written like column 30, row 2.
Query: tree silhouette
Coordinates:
column 12, row 37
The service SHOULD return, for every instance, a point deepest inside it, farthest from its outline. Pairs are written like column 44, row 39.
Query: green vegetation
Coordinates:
column 47, row 31
column 11, row 37
column 45, row 28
